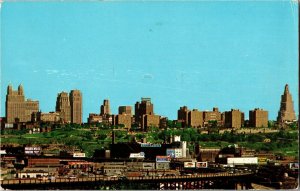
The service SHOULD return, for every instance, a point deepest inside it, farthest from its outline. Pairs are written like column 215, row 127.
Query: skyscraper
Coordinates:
column 195, row 118
column 105, row 108
column 258, row 118
column 63, row 106
column 286, row 111
column 182, row 115
column 234, row 118
column 145, row 107
column 17, row 108
column 76, row 106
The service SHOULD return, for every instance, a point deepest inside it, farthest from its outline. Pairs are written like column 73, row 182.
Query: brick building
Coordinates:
column 17, row 108
column 195, row 118
column 94, row 118
column 105, row 108
column 145, row 107
column 234, row 118
column 76, row 106
column 63, row 107
column 124, row 119
column 52, row 117
column 183, row 115
column 214, row 115
column 150, row 120
column 125, row 110
column 70, row 106
column 258, row 118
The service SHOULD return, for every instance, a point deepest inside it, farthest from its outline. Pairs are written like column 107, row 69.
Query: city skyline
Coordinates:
column 197, row 54
column 106, row 108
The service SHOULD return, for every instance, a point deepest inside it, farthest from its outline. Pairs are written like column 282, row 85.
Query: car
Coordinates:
column 72, row 177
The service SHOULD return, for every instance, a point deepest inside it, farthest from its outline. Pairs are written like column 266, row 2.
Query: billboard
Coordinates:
column 174, row 153
column 140, row 155
column 294, row 165
column 150, row 145
column 189, row 165
column 78, row 155
column 201, row 164
column 171, row 153
column 163, row 159
column 242, row 160
column 262, row 160
column 33, row 150
column 9, row 125
column 148, row 165
column 162, row 165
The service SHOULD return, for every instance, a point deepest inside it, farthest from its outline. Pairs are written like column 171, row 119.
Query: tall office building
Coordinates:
column 69, row 106
column 105, row 108
column 234, row 118
column 182, row 115
column 214, row 115
column 63, row 106
column 195, row 118
column 286, row 111
column 258, row 118
column 145, row 107
column 76, row 106
column 125, row 110
column 17, row 109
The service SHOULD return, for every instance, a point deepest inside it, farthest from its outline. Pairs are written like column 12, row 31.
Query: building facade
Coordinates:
column 69, row 106
column 214, row 115
column 234, row 119
column 17, row 108
column 105, row 108
column 52, row 117
column 258, row 118
column 76, row 106
column 145, row 107
column 183, row 115
column 150, row 121
column 94, row 118
column 195, row 118
column 286, row 111
column 63, row 107
column 125, row 110
column 124, row 119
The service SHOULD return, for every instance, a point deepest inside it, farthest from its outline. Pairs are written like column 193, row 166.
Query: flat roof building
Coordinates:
column 258, row 118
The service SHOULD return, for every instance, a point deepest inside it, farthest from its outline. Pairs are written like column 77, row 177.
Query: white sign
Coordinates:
column 201, row 164
column 33, row 150
column 9, row 125
column 137, row 155
column 242, row 160
column 189, row 165
column 149, row 166
column 163, row 159
column 78, row 155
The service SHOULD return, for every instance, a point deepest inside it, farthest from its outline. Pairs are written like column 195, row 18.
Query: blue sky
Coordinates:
column 198, row 53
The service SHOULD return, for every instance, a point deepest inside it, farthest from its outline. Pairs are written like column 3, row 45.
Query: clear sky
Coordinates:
column 200, row 54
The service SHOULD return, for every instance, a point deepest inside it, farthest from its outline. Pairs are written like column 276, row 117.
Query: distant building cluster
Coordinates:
column 69, row 110
column 18, row 110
